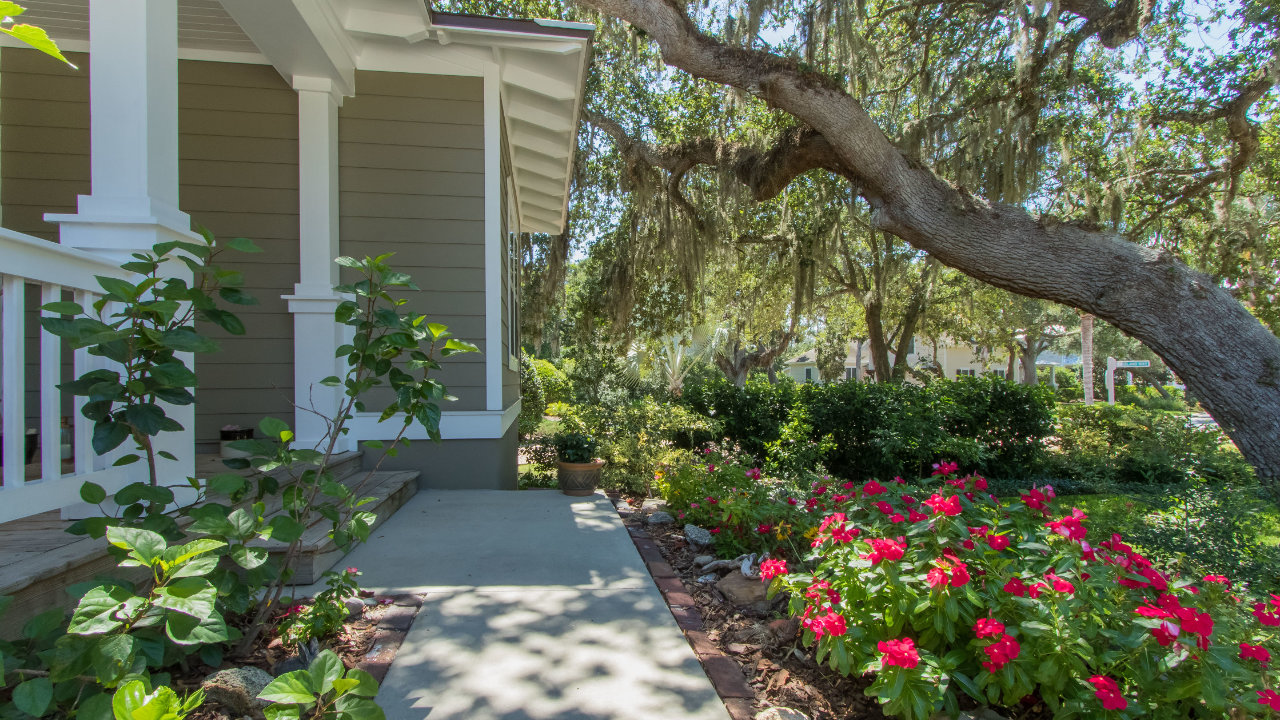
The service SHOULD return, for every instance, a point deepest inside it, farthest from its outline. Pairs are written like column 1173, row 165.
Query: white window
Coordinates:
column 965, row 372
column 808, row 374
column 998, row 373
column 848, row 373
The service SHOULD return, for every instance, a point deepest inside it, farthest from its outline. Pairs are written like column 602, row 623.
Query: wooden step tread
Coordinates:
column 380, row 486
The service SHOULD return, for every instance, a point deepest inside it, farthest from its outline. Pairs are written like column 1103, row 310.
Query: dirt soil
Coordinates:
column 767, row 646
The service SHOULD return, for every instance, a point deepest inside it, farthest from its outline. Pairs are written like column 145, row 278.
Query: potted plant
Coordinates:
column 576, row 465
column 231, row 433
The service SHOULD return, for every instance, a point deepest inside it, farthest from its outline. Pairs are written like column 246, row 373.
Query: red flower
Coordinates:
column 770, row 569
column 1070, row 526
column 944, row 506
column 936, row 577
column 998, row 542
column 849, row 485
column 791, row 501
column 715, row 531
column 764, row 528
column 753, row 474
column 830, row 624
column 1016, row 586
column 1108, row 692
column 916, row 517
column 873, row 488
column 1166, row 633
column 1220, row 579
column 979, row 483
column 1269, row 698
column 1257, row 652
column 899, row 652
column 885, row 550
column 884, row 507
column 960, row 575
column 987, row 627
column 353, row 571
column 1058, row 584
column 844, row 534
column 1035, row 590
column 1270, row 619
column 1001, row 652
column 909, row 500
column 896, row 518
column 945, row 468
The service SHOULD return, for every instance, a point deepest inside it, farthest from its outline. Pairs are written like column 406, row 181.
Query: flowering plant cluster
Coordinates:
column 323, row 616
column 941, row 589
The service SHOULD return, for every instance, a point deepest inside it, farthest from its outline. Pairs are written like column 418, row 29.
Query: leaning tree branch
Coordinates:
column 1223, row 353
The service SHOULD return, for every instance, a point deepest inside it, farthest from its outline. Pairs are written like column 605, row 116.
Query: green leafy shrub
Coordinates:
column 638, row 438
column 555, row 383
column 751, row 416
column 532, row 399
column 796, row 454
column 942, row 592
column 880, row 429
column 325, row 614
column 1103, row 445
column 326, row 690
column 574, row 446
column 1008, row 421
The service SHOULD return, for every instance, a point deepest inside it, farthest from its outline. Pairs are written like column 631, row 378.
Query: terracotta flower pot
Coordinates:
column 579, row 479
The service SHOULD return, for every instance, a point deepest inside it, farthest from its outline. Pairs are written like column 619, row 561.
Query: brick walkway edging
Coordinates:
column 392, row 628
column 725, row 674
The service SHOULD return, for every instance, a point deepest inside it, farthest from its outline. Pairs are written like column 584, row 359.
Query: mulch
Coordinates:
column 754, row 660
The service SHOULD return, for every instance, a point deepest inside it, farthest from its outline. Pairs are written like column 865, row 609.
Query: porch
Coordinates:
column 42, row 561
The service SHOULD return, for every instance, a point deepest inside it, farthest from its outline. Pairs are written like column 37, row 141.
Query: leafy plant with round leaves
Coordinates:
column 324, row 691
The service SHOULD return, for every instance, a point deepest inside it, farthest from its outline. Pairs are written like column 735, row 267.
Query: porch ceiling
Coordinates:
column 202, row 24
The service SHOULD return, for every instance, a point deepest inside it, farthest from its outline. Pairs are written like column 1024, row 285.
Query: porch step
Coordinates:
column 39, row 560
column 390, row 490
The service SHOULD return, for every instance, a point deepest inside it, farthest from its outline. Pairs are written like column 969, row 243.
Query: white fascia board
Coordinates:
column 299, row 38
column 423, row 59
column 454, row 425
column 184, row 53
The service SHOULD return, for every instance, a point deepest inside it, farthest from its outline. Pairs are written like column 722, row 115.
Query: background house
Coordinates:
column 951, row 359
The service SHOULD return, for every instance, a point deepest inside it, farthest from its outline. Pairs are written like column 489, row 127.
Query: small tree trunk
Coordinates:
column 1086, row 356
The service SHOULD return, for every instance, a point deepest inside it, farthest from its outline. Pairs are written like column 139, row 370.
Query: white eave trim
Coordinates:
column 454, row 425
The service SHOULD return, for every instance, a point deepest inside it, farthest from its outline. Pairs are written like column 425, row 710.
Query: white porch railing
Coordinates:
column 26, row 261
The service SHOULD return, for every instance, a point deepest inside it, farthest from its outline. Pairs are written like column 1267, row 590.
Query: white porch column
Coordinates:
column 315, row 334
column 133, row 81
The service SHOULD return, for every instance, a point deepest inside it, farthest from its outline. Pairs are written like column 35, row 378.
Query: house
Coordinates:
column 950, row 359
column 317, row 128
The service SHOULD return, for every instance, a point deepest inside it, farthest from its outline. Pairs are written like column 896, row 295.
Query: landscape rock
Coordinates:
column 289, row 664
column 697, row 536
column 745, row 592
column 355, row 607
column 237, row 689
column 708, row 578
column 780, row 713
column 653, row 505
column 702, row 560
column 661, row 517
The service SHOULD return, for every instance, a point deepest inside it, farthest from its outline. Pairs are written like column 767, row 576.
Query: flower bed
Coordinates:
column 943, row 591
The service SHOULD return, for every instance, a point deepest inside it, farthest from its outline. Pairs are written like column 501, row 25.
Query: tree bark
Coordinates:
column 1086, row 356
column 1225, row 355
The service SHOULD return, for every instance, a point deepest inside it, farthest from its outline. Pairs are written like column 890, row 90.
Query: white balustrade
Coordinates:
column 26, row 261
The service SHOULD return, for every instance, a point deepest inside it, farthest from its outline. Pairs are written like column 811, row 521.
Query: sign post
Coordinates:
column 1112, row 364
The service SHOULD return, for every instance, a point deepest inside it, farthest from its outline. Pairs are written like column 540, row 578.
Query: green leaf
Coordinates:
column 144, row 545
column 95, row 707
column 107, row 436
column 37, row 38
column 185, row 339
column 248, row 557
column 92, row 493
column 198, row 567
column 62, row 308
column 326, row 668
column 227, row 483
column 190, row 596
column 189, row 630
column 237, row 296
column 292, row 687
column 283, row 712
column 285, row 529
column 366, row 686
column 33, row 696
column 243, row 245
column 349, row 262
column 114, row 657
column 94, row 615
column 121, row 289
column 351, row 707
column 272, row 427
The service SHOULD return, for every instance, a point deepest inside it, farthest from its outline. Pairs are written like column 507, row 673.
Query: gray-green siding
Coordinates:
column 411, row 158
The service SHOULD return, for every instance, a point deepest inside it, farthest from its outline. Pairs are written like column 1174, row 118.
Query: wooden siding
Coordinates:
column 239, row 177
column 411, row 158
column 238, row 169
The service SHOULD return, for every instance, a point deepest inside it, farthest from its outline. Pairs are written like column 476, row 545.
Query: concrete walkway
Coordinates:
column 537, row 606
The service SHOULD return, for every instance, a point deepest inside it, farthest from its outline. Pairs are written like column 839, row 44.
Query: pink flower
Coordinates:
column 694, row 506
column 987, row 627
column 772, row 568
column 1269, row 698
column 711, row 468
column 753, row 474
column 1220, row 579
column 1256, row 652
column 1166, row 633
column 945, row 468
column 1106, row 690
column 873, row 488
column 1070, row 526
column 944, row 506
column 829, row 624
column 1015, row 586
column 899, row 652
column 353, row 571
column 882, row 549
column 1001, row 652
column 1058, row 584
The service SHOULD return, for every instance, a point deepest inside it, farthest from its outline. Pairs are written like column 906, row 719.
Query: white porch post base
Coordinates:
column 315, row 338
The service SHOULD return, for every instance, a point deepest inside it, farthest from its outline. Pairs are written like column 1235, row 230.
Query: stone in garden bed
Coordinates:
column 697, row 536
column 237, row 689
